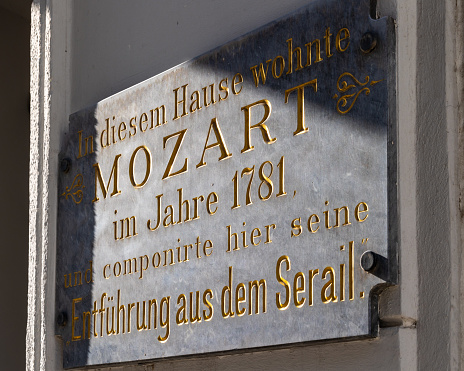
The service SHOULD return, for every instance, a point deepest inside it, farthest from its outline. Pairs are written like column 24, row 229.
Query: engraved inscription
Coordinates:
column 231, row 194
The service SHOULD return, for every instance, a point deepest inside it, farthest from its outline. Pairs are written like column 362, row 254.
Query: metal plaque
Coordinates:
column 242, row 199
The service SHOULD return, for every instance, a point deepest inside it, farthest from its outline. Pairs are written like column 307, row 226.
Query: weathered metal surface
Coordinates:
column 335, row 162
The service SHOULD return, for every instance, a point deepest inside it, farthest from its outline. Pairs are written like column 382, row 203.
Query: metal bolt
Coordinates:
column 368, row 43
column 368, row 261
column 62, row 319
column 65, row 165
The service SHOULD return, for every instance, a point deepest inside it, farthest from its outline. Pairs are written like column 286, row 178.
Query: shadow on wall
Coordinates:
column 75, row 271
column 14, row 186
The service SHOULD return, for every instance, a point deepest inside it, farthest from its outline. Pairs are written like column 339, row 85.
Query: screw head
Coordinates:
column 65, row 165
column 368, row 261
column 62, row 319
column 368, row 42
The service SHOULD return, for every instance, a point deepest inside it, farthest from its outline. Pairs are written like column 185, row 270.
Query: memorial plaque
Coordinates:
column 226, row 203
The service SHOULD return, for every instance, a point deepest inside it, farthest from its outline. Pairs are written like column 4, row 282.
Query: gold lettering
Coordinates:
column 328, row 285
column 122, row 128
column 126, row 226
column 74, row 319
column 205, row 95
column 283, row 282
column 327, row 217
column 102, row 312
column 147, row 167
column 128, row 262
column 281, row 62
column 195, row 101
column 237, row 80
column 230, row 238
column 297, row 227
column 268, row 232
column 88, row 145
column 298, row 287
column 183, row 202
column 342, row 282
column 181, row 315
column 300, row 128
column 312, row 273
column 104, row 272
column 208, row 304
column 159, row 121
column 211, row 200
column 121, row 309
column 260, row 72
column 90, row 272
column 164, row 319
column 94, row 314
column 255, row 235
column 133, row 126
column 206, row 247
column 152, row 303
column 169, row 218
column 195, row 317
column 67, row 277
column 337, row 216
column 311, row 223
column 257, row 285
column 358, row 212
column 105, row 132
column 130, row 306
column 226, row 290
column 240, row 298
column 219, row 143
column 78, row 278
column 99, row 180
column 109, row 331
column 316, row 42
column 156, row 256
column 183, row 102
column 351, row 270
column 143, row 325
column 328, row 53
column 143, row 258
column 142, row 120
column 339, row 38
column 167, row 173
column 223, row 87
column 86, row 319
column 171, row 251
column 264, row 129
column 291, row 52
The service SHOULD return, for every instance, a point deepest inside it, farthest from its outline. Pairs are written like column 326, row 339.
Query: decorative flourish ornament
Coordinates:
column 343, row 86
column 75, row 190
